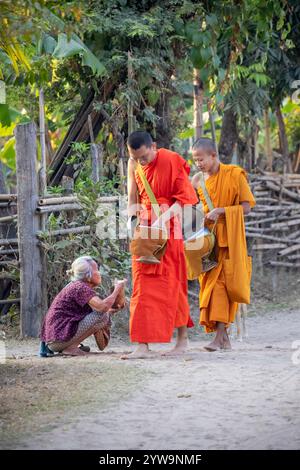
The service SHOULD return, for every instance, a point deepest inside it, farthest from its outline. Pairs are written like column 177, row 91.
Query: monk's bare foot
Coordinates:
column 74, row 351
column 141, row 352
column 226, row 341
column 180, row 348
column 215, row 345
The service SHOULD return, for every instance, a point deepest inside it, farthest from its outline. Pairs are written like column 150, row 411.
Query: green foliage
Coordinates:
column 70, row 47
column 7, row 115
column 231, row 44
column 7, row 154
column 111, row 254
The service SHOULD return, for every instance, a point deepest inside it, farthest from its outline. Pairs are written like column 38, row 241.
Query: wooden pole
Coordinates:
column 95, row 163
column 8, row 197
column 9, row 252
column 43, row 187
column 67, row 183
column 42, row 174
column 66, row 231
column 9, row 301
column 8, row 218
column 96, row 153
column 31, row 275
column 91, row 131
column 100, row 160
column 8, row 241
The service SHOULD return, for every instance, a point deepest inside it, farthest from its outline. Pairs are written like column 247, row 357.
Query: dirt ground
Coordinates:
column 247, row 398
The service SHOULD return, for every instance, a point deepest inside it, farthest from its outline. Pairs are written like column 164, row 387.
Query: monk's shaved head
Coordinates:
column 205, row 155
column 141, row 147
column 139, row 138
column 205, row 144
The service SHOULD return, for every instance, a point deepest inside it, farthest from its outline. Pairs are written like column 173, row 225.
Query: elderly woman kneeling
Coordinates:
column 77, row 312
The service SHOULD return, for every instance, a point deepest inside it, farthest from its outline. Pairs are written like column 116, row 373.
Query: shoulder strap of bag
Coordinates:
column 205, row 192
column 148, row 190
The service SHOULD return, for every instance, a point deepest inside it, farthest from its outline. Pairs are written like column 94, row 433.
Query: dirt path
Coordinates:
column 244, row 399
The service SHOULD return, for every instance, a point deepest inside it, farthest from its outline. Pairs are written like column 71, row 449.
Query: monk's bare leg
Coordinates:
column 142, row 351
column 181, row 343
column 219, row 340
column 226, row 344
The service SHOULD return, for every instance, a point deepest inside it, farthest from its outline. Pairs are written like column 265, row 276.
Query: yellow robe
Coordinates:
column 227, row 188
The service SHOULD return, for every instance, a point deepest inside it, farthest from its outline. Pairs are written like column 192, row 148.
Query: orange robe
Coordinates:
column 159, row 299
column 228, row 187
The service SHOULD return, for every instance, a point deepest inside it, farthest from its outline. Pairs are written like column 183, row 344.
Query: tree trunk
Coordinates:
column 130, row 77
column 268, row 144
column 284, row 146
column 229, row 136
column 198, row 104
column 163, row 129
column 212, row 126
column 49, row 150
column 254, row 147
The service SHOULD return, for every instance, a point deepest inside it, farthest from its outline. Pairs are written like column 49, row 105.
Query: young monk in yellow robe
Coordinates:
column 229, row 282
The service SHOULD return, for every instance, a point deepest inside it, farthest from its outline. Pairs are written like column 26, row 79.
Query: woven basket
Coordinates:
column 149, row 244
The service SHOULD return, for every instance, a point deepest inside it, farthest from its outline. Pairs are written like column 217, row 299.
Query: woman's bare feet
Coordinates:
column 74, row 351
column 142, row 351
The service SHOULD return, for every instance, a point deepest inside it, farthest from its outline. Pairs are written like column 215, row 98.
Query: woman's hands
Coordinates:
column 119, row 285
column 120, row 307
column 107, row 304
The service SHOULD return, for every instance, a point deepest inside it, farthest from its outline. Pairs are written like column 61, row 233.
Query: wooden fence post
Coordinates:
column 31, row 275
column 97, row 170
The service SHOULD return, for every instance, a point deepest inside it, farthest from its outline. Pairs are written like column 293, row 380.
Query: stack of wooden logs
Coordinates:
column 273, row 226
column 46, row 205
column 8, row 219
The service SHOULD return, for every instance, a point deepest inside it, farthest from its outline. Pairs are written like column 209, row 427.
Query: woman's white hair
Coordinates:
column 81, row 269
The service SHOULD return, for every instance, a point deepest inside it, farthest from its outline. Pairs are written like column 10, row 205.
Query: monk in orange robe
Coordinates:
column 229, row 282
column 159, row 299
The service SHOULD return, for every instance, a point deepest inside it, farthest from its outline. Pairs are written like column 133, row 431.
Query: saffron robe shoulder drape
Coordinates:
column 227, row 188
column 159, row 299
